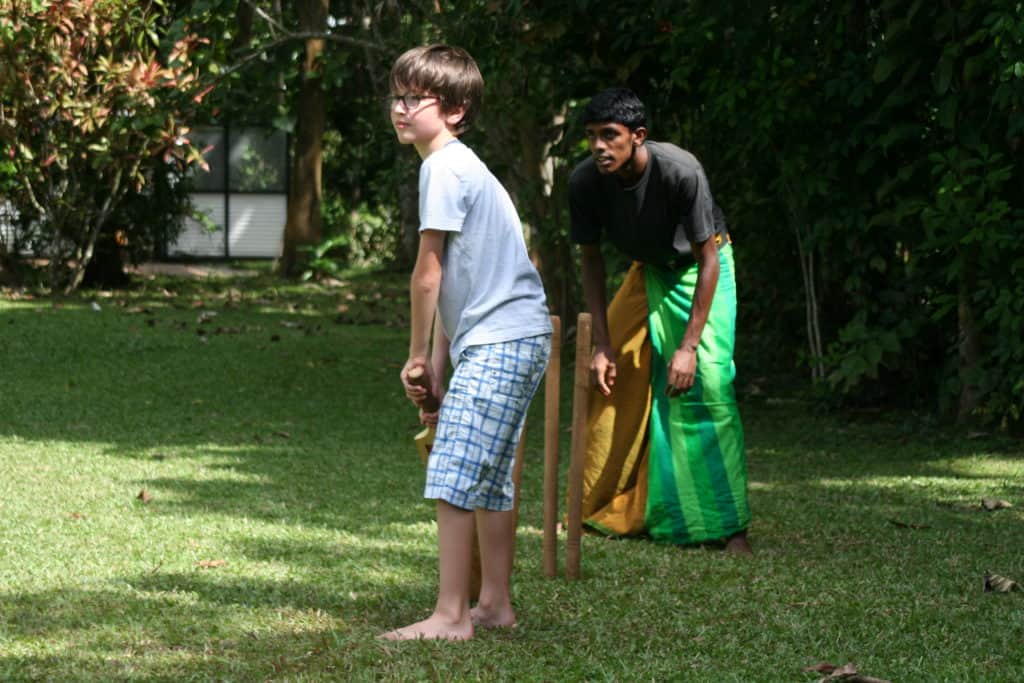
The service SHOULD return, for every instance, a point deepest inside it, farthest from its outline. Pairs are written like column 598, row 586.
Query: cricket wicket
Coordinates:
column 580, row 400
column 552, row 382
column 580, row 396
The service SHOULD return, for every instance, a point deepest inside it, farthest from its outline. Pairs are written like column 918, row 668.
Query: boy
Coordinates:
column 473, row 274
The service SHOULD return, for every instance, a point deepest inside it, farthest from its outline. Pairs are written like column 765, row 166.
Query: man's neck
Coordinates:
column 633, row 170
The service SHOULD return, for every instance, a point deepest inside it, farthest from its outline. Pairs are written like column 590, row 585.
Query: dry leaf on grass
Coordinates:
column 210, row 564
column 846, row 673
column 144, row 496
column 908, row 525
column 991, row 504
column 994, row 583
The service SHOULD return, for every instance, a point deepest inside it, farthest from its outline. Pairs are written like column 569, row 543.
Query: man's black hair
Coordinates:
column 616, row 105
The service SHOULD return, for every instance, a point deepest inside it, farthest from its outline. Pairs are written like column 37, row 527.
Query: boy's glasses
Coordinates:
column 409, row 102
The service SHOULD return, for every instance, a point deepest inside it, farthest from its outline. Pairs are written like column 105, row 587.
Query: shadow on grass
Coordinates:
column 201, row 623
column 310, row 431
column 199, row 632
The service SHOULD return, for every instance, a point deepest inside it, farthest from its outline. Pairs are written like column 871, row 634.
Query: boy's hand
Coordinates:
column 430, row 418
column 416, row 393
column 602, row 369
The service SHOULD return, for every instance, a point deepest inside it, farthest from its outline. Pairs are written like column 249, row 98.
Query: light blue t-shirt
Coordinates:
column 490, row 291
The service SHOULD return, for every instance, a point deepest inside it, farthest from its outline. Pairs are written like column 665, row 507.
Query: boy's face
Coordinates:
column 613, row 145
column 419, row 120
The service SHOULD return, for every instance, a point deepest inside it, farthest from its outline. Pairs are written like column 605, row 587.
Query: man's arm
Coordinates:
column 682, row 369
column 602, row 365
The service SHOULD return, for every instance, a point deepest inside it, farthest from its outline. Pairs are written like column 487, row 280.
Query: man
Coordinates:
column 665, row 453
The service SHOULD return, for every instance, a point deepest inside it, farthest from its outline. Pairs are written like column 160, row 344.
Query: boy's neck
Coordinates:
column 425, row 149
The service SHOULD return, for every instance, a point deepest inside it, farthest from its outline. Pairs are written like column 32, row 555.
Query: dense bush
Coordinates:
column 87, row 102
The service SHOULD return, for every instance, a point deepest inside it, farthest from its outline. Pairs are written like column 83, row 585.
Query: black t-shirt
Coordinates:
column 653, row 221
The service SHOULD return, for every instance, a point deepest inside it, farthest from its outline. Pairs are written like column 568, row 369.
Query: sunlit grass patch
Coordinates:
column 285, row 527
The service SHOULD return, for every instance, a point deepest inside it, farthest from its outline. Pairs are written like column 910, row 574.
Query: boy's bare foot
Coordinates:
column 432, row 628
column 493, row 618
column 737, row 544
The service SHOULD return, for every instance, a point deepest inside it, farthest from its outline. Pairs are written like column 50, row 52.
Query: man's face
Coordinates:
column 612, row 145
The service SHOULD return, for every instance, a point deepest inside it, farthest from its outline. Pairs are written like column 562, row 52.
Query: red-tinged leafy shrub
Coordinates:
column 93, row 107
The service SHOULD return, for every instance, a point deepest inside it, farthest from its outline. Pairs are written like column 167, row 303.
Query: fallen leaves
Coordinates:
column 908, row 525
column 994, row 583
column 144, row 496
column 847, row 673
column 211, row 564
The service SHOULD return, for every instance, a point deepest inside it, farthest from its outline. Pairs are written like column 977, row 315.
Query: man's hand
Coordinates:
column 602, row 369
column 682, row 370
column 429, row 419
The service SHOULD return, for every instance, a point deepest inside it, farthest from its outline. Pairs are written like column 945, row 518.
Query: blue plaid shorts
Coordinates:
column 481, row 420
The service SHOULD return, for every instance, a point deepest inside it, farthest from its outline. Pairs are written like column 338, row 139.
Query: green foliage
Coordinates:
column 90, row 96
column 866, row 152
column 322, row 262
column 147, row 220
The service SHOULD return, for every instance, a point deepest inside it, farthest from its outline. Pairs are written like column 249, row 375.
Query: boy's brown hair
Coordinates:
column 446, row 72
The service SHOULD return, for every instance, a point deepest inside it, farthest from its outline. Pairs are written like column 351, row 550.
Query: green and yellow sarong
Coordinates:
column 670, row 468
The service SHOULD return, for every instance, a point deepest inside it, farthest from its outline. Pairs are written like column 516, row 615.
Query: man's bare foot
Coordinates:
column 432, row 628
column 737, row 544
column 493, row 618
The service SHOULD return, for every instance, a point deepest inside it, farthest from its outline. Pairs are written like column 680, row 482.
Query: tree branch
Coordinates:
column 274, row 23
column 304, row 35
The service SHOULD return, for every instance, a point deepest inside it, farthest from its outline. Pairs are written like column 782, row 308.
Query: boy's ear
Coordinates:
column 639, row 135
column 454, row 116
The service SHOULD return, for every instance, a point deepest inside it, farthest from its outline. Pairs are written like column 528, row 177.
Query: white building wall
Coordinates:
column 257, row 225
column 195, row 239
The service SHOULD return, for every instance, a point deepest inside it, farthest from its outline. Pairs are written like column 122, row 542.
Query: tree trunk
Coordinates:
column 806, row 256
column 969, row 339
column 408, row 209
column 105, row 270
column 304, row 223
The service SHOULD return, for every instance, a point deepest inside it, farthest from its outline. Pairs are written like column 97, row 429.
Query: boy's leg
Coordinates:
column 497, row 534
column 451, row 619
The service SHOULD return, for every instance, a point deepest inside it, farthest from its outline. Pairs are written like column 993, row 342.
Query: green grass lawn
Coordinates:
column 285, row 527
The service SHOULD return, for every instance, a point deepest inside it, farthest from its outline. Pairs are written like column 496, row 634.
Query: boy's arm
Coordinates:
column 438, row 363
column 439, row 356
column 602, row 365
column 424, row 286
column 682, row 369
